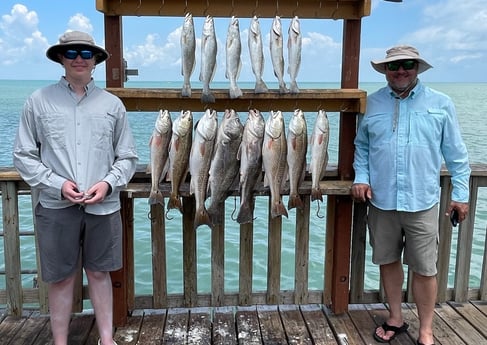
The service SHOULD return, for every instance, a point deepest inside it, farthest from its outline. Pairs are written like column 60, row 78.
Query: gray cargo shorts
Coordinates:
column 415, row 233
column 69, row 234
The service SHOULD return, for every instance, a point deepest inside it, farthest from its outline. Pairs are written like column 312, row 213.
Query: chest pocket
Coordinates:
column 427, row 127
column 53, row 129
column 102, row 128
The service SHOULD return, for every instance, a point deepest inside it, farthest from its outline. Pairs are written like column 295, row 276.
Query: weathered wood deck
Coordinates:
column 455, row 324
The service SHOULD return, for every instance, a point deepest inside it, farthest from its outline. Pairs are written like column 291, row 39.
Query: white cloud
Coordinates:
column 21, row 37
column 79, row 22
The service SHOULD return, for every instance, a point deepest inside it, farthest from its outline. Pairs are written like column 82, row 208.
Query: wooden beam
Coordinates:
column 319, row 9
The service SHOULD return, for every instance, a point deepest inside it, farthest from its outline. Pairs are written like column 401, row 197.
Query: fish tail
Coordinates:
column 155, row 197
column 316, row 194
column 245, row 214
column 260, row 87
column 207, row 97
column 295, row 201
column 282, row 87
column 174, row 202
column 235, row 91
column 278, row 209
column 293, row 87
column 202, row 217
column 186, row 90
column 216, row 214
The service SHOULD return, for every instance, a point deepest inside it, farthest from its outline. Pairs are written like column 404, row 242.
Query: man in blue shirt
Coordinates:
column 402, row 139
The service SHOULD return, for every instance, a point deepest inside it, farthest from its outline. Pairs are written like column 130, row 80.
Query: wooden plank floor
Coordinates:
column 455, row 324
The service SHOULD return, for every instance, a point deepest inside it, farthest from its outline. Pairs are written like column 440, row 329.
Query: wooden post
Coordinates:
column 339, row 208
column 115, row 69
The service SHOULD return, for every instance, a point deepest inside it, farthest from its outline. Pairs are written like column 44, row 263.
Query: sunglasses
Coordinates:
column 406, row 64
column 73, row 54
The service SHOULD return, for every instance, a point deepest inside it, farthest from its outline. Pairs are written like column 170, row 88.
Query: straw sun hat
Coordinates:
column 76, row 40
column 402, row 52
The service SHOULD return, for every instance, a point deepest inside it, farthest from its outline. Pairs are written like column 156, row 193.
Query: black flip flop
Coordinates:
column 387, row 328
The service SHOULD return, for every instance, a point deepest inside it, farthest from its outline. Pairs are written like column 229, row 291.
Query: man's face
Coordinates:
column 400, row 74
column 78, row 63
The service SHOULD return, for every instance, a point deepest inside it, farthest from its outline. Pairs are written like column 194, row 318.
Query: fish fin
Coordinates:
column 174, row 202
column 207, row 97
column 316, row 194
column 260, row 87
column 156, row 197
column 186, row 90
column 278, row 209
column 246, row 212
column 295, row 201
column 201, row 218
column 235, row 92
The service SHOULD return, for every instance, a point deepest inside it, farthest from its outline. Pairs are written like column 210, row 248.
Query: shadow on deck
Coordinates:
column 455, row 323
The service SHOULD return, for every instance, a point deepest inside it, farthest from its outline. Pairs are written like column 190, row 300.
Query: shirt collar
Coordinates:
column 412, row 93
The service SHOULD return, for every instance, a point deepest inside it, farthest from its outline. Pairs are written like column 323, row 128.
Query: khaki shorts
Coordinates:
column 65, row 235
column 416, row 233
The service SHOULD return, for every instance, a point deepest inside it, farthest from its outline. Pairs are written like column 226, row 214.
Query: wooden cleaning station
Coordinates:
column 344, row 307
column 348, row 100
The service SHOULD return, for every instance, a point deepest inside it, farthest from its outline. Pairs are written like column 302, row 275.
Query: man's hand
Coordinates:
column 96, row 193
column 361, row 192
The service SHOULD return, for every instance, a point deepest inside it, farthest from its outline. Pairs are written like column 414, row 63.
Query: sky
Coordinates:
column 450, row 34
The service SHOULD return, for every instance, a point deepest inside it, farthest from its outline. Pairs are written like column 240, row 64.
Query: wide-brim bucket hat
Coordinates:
column 402, row 52
column 76, row 40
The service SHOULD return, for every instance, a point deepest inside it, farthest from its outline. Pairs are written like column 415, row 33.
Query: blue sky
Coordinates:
column 450, row 34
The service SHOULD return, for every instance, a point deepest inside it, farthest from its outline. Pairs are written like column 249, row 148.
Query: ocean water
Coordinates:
column 471, row 108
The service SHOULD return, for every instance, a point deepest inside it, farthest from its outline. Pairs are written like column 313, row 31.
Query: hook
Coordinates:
column 318, row 210
column 205, row 12
column 296, row 9
column 185, row 7
column 334, row 12
column 160, row 7
column 138, row 7
column 166, row 215
column 255, row 9
column 232, row 12
column 277, row 7
column 234, row 208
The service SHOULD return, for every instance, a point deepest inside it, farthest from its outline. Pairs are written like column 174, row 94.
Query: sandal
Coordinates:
column 388, row 328
column 418, row 343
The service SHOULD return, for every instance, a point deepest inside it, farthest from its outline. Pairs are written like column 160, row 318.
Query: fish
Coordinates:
column 179, row 150
column 250, row 156
column 277, row 57
column 319, row 153
column 297, row 145
column 294, row 44
column 188, row 46
column 159, row 154
column 224, row 166
column 274, row 152
column 257, row 55
column 199, row 163
column 208, row 59
column 233, row 62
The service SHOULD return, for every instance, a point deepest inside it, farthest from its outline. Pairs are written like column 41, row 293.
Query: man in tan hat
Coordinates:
column 406, row 132
column 75, row 148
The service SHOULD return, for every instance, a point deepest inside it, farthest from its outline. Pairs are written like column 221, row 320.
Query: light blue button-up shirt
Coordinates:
column 401, row 145
column 86, row 140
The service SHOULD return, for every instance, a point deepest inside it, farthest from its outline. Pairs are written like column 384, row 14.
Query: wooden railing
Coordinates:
column 14, row 296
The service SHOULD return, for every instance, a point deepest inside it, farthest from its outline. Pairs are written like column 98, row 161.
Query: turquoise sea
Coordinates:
column 471, row 108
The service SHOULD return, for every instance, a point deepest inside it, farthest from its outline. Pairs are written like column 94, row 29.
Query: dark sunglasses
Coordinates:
column 73, row 54
column 406, row 64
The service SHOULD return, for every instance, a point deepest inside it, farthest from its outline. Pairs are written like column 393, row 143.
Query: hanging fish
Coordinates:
column 224, row 164
column 188, row 46
column 257, row 55
column 250, row 156
column 294, row 44
column 319, row 153
column 297, row 145
column 199, row 163
column 179, row 149
column 234, row 63
column 159, row 154
column 277, row 56
column 274, row 152
column 208, row 59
